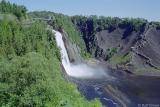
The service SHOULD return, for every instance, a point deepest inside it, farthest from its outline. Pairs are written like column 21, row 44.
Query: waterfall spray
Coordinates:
column 80, row 70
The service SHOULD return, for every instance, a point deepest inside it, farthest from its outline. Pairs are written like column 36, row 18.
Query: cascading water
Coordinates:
column 82, row 70
column 123, row 84
column 63, row 51
column 79, row 70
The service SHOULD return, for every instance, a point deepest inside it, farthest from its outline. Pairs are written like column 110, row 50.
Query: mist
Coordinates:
column 80, row 70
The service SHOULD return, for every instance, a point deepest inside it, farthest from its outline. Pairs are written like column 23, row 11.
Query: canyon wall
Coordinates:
column 128, row 44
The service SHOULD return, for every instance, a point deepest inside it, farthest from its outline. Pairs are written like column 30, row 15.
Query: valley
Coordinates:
column 49, row 59
column 112, row 87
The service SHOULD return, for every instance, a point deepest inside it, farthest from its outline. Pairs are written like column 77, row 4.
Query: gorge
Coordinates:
column 50, row 59
column 113, row 88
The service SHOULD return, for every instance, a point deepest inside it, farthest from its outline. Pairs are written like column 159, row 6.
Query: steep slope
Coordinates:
column 142, row 50
column 122, row 43
column 146, row 51
column 64, row 24
column 128, row 44
column 30, row 72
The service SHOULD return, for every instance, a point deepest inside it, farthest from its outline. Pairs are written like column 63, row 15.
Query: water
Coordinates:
column 80, row 70
column 84, row 71
column 130, row 90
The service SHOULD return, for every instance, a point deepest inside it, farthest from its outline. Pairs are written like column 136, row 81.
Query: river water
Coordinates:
column 113, row 88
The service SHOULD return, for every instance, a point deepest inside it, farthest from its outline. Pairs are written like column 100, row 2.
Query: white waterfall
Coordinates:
column 80, row 70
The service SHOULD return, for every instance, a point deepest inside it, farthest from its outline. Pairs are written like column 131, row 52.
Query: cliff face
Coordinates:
column 142, row 50
column 125, row 47
column 130, row 44
column 146, row 51
column 72, row 49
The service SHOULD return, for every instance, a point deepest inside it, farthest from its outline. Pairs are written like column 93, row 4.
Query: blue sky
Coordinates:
column 149, row 9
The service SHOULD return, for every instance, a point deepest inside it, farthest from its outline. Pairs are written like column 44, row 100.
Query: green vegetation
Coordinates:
column 82, row 30
column 30, row 74
column 136, row 24
column 120, row 59
column 111, row 52
column 94, row 24
column 63, row 22
column 19, row 11
column 156, row 24
column 89, row 26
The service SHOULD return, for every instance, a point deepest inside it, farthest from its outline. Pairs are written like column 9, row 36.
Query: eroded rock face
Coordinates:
column 72, row 49
column 143, row 48
column 106, row 40
column 147, row 50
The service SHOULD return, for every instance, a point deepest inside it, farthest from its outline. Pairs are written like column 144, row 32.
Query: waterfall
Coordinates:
column 79, row 70
column 64, row 56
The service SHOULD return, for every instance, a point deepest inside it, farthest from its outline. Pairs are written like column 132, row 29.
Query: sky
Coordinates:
column 148, row 9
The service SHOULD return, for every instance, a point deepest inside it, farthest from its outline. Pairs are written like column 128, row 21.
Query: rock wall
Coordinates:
column 72, row 49
column 141, row 48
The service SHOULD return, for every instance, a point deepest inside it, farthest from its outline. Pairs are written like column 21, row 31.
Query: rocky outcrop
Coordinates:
column 72, row 49
column 146, row 52
column 143, row 48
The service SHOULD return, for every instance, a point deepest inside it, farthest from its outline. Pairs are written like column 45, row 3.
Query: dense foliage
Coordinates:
column 156, row 25
column 63, row 22
column 29, row 69
column 95, row 23
column 6, row 7
column 30, row 74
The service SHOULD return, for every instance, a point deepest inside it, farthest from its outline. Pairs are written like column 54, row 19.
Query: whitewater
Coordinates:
column 80, row 70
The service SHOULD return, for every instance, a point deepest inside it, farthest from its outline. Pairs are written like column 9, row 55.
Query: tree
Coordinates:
column 19, row 11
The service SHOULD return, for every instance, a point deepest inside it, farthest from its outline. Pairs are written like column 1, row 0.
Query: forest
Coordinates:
column 30, row 72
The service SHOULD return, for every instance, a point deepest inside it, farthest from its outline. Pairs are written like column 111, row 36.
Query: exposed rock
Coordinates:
column 143, row 48
column 147, row 51
column 72, row 49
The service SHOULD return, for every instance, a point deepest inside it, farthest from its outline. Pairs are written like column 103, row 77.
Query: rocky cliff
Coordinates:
column 72, row 48
column 136, row 52
column 132, row 45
